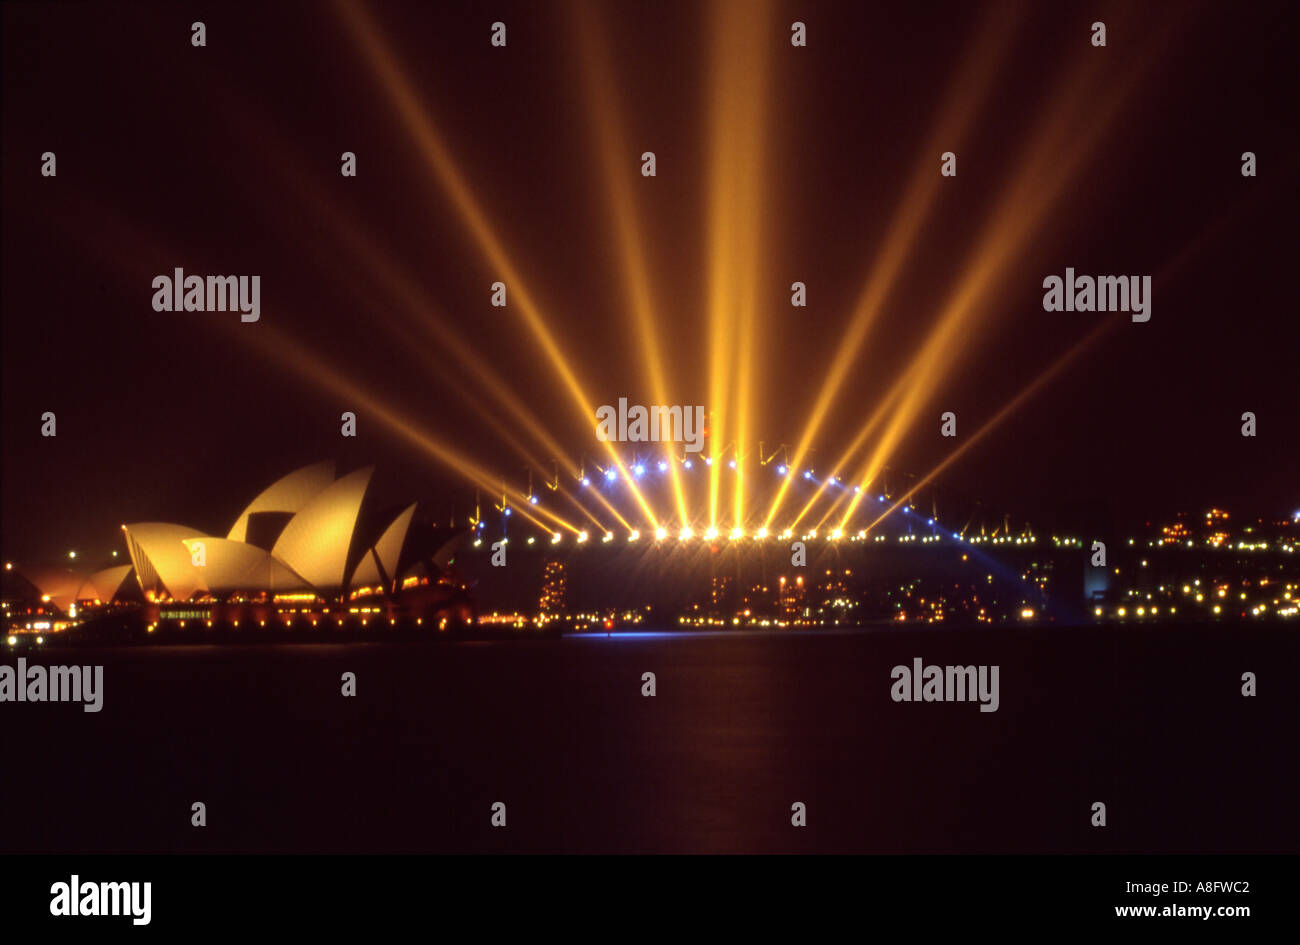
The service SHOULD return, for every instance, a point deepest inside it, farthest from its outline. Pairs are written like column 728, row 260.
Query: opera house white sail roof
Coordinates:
column 315, row 551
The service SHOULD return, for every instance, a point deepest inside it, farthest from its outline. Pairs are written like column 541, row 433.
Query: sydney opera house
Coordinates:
column 308, row 547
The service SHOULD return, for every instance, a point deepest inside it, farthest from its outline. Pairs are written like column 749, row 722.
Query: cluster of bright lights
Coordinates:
column 713, row 533
column 639, row 468
column 1067, row 542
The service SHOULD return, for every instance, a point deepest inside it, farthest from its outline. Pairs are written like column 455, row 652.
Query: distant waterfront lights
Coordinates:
column 711, row 534
column 687, row 534
column 661, row 533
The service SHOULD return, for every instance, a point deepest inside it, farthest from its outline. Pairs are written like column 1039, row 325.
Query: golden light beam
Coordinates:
column 964, row 100
column 838, row 501
column 752, row 146
column 882, row 409
column 1005, row 411
column 735, row 116
column 617, row 162
column 382, row 61
column 1183, row 258
column 1055, row 155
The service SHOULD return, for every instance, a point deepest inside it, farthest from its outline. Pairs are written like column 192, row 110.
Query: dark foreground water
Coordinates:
column 1149, row 721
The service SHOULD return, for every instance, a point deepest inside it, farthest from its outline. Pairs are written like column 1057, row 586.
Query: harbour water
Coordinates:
column 1150, row 721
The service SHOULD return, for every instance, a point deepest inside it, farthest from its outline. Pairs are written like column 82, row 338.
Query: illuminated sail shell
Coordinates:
column 316, row 541
column 290, row 494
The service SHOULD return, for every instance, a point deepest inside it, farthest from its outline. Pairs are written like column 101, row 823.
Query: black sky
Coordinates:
column 206, row 159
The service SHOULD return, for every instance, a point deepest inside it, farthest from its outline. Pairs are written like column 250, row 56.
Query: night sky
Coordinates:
column 225, row 160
